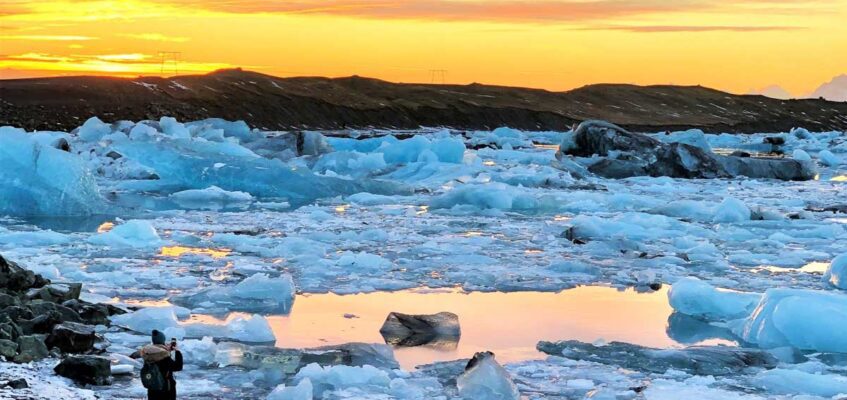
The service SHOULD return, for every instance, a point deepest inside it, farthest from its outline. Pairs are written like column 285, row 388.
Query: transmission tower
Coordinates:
column 438, row 76
column 170, row 61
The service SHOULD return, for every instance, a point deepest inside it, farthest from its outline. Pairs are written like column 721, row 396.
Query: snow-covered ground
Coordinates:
column 208, row 218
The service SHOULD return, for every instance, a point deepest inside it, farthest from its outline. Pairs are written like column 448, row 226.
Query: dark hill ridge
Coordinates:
column 270, row 102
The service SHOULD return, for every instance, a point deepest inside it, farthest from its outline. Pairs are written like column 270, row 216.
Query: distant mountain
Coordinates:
column 774, row 92
column 273, row 103
column 834, row 90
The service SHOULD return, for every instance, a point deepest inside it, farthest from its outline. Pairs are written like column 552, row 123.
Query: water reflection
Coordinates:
column 105, row 227
column 509, row 324
column 179, row 251
column 814, row 267
column 691, row 331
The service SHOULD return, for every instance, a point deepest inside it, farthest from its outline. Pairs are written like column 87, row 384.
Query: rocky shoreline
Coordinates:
column 40, row 319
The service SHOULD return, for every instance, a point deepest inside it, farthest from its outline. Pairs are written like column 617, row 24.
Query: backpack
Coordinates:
column 153, row 379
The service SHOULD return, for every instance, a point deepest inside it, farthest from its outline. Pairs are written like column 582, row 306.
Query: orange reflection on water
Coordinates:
column 509, row 324
column 178, row 251
column 839, row 178
column 105, row 227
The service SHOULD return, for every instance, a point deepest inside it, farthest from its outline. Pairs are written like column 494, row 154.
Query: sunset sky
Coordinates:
column 552, row 44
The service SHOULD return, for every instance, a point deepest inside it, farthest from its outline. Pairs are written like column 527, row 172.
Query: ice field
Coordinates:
column 235, row 241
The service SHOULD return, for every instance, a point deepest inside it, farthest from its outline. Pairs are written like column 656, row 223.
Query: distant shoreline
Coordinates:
column 272, row 103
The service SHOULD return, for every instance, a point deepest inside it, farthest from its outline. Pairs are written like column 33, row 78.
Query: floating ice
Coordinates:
column 732, row 210
column 449, row 150
column 351, row 164
column 199, row 352
column 501, row 137
column 792, row 381
column 696, row 298
column 147, row 319
column 827, row 158
column 693, row 137
column 236, row 129
column 194, row 164
column 486, row 380
column 302, row 391
column 212, row 194
column 801, row 155
column 41, row 180
column 341, row 377
column 836, row 273
column 93, row 129
column 31, row 238
column 133, row 233
column 257, row 293
column 805, row 319
column 493, row 196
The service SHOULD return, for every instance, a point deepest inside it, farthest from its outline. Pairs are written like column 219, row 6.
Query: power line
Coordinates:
column 438, row 76
column 170, row 61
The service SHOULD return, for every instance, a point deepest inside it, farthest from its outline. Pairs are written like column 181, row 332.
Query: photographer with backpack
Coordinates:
column 157, row 374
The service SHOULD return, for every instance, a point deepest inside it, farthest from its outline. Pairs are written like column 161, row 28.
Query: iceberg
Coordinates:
column 485, row 379
column 341, row 376
column 827, row 158
column 93, row 130
column 257, row 293
column 37, row 179
column 836, row 273
column 791, row 381
column 133, row 233
column 194, row 164
column 198, row 198
column 302, row 391
column 253, row 329
column 801, row 318
column 691, row 296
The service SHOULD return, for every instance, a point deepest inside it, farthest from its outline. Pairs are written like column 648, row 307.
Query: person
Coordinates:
column 158, row 355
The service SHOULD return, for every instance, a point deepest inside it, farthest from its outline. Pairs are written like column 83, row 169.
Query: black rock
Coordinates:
column 8, row 300
column 94, row 370
column 42, row 323
column 94, row 314
column 696, row 360
column 13, row 278
column 9, row 330
column 625, row 154
column 31, row 348
column 43, row 307
column 8, row 348
column 774, row 140
column 440, row 329
column 17, row 384
column 16, row 313
column 56, row 292
column 70, row 337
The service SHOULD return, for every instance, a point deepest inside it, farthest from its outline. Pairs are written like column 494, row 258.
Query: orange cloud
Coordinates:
column 156, row 37
column 539, row 11
column 61, row 38
column 694, row 28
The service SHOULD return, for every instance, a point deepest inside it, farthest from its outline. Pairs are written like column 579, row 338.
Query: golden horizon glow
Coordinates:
column 736, row 46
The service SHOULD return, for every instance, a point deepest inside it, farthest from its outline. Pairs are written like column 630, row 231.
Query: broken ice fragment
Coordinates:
column 485, row 379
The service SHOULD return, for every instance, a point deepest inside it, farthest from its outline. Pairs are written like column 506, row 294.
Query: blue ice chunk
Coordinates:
column 237, row 129
column 37, row 179
column 194, row 164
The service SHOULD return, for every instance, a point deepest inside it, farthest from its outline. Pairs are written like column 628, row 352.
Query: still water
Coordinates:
column 509, row 324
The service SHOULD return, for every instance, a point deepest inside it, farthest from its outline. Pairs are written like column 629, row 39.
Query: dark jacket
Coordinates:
column 159, row 355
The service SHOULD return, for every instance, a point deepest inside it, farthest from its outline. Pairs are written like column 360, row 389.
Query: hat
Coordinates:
column 158, row 337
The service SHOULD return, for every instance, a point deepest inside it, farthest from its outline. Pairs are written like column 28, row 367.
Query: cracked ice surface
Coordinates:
column 386, row 214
